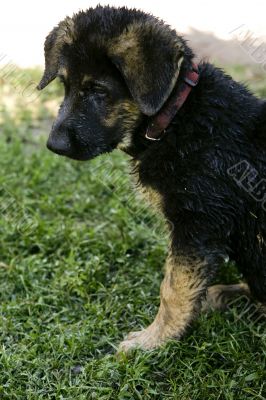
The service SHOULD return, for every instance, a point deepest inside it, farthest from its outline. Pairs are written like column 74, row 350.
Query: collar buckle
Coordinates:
column 154, row 139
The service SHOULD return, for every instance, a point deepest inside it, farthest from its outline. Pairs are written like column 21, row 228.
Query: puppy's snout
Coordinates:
column 59, row 141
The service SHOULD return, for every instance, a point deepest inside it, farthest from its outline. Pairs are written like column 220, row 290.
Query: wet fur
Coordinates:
column 186, row 174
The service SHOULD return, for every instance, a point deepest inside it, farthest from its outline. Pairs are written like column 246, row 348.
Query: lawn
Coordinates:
column 80, row 265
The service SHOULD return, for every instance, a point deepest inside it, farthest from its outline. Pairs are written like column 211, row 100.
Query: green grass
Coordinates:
column 80, row 266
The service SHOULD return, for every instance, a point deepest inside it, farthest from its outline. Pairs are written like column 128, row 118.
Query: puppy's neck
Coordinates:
column 157, row 132
column 157, row 128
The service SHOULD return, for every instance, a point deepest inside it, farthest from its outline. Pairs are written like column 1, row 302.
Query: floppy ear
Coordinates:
column 57, row 38
column 148, row 55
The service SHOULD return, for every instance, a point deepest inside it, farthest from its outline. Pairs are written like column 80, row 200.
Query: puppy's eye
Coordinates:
column 100, row 90
column 93, row 90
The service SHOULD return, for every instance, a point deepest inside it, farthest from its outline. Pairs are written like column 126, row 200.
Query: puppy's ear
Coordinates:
column 57, row 38
column 148, row 55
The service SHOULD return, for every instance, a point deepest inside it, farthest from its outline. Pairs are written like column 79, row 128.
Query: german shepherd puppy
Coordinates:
column 197, row 140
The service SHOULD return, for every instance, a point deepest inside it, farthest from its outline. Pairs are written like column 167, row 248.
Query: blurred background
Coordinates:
column 24, row 24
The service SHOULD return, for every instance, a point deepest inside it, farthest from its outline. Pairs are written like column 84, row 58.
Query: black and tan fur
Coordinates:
column 118, row 67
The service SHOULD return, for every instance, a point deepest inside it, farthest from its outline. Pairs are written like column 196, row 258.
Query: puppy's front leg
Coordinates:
column 180, row 300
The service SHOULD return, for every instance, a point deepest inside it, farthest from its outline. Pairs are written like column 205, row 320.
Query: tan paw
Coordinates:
column 145, row 340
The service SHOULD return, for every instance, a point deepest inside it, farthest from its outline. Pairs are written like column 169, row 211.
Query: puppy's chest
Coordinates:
column 151, row 196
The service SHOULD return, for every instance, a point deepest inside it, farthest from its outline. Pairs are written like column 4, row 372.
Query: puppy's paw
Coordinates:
column 145, row 340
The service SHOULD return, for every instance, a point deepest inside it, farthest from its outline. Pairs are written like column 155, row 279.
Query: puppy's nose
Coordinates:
column 59, row 143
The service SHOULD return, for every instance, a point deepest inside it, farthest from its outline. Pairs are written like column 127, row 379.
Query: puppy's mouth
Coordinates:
column 78, row 155
column 73, row 156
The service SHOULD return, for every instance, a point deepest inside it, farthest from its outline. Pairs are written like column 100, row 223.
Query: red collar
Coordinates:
column 157, row 128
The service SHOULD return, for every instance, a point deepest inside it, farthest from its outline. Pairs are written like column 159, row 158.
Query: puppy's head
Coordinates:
column 118, row 67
